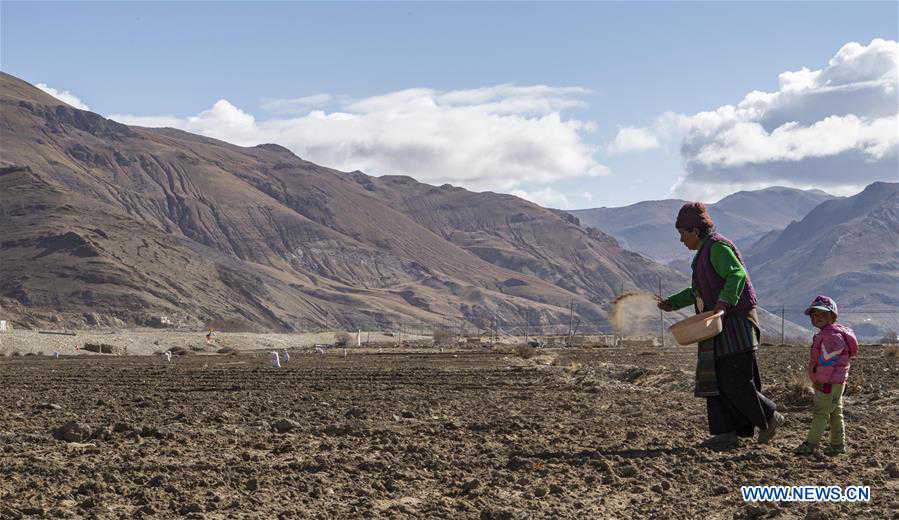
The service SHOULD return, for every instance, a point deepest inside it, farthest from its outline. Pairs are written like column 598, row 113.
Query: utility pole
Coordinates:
column 527, row 315
column 527, row 324
column 495, row 325
column 782, row 309
column 570, row 314
column 661, row 317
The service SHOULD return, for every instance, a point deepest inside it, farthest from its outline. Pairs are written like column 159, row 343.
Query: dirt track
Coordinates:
column 461, row 434
column 148, row 341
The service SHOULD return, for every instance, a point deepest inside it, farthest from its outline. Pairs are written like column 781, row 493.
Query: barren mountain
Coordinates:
column 648, row 227
column 845, row 248
column 102, row 222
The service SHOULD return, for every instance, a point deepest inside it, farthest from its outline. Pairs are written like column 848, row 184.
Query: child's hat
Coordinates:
column 822, row 303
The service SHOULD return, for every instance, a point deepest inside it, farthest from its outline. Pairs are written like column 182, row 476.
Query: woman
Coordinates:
column 727, row 374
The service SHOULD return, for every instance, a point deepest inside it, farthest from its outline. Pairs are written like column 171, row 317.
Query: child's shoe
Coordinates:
column 776, row 422
column 804, row 449
column 835, row 449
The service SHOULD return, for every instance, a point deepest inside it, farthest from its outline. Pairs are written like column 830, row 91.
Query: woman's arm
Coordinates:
column 726, row 264
column 681, row 299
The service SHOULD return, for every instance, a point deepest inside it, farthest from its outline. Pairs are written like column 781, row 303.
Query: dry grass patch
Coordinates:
column 891, row 352
column 545, row 359
column 798, row 390
column 443, row 337
column 574, row 367
column 525, row 352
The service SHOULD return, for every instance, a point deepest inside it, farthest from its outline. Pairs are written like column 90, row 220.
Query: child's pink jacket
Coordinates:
column 832, row 347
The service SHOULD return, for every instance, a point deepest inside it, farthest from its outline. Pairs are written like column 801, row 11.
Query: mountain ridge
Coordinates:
column 127, row 222
column 846, row 248
column 745, row 216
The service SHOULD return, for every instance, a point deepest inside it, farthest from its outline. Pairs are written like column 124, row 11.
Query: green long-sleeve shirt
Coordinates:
column 725, row 263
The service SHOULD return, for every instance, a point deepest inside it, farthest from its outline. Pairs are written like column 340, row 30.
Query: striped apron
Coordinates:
column 739, row 333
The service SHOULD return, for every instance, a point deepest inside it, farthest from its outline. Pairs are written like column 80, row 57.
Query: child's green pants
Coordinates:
column 828, row 409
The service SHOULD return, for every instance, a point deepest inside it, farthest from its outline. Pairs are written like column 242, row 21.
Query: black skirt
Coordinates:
column 740, row 405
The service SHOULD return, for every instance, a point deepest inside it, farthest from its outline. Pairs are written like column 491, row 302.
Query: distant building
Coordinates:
column 603, row 340
column 640, row 341
column 161, row 322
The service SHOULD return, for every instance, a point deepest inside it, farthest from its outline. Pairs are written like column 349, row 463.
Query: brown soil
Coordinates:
column 458, row 434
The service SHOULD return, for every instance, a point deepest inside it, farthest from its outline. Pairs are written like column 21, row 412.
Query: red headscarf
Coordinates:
column 693, row 215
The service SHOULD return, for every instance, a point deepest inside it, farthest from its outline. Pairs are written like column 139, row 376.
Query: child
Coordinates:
column 828, row 368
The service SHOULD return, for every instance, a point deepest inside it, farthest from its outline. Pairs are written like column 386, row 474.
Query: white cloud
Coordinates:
column 747, row 143
column 297, row 105
column 497, row 138
column 546, row 197
column 513, row 99
column 222, row 121
column 64, row 95
column 834, row 128
column 631, row 139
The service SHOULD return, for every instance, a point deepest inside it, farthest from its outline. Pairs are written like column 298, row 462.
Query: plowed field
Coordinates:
column 576, row 433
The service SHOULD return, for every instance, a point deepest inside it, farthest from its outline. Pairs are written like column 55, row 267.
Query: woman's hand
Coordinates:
column 665, row 305
column 720, row 306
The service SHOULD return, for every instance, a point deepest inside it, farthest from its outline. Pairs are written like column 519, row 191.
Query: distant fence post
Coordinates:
column 782, row 311
column 661, row 318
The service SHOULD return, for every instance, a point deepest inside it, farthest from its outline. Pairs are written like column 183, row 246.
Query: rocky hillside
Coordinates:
column 105, row 223
column 745, row 216
column 845, row 248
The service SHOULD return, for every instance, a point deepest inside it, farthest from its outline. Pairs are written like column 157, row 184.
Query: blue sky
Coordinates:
column 607, row 66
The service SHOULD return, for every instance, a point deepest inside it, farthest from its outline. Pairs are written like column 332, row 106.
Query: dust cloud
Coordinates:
column 635, row 314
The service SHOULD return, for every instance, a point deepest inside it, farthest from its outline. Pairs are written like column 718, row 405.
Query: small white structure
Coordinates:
column 168, row 356
column 607, row 340
column 5, row 326
column 160, row 322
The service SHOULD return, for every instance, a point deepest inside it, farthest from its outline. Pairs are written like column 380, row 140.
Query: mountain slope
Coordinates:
column 128, row 223
column 845, row 248
column 648, row 227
